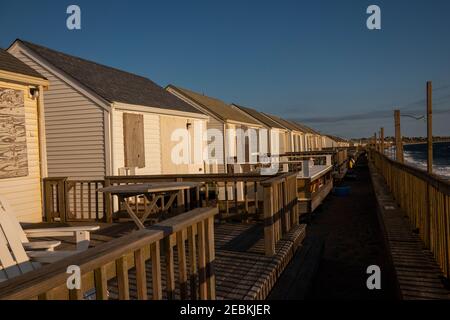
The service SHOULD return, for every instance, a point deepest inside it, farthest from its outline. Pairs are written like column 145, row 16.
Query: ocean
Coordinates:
column 416, row 155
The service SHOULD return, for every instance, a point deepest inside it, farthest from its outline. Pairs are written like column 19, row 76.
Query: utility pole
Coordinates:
column 382, row 140
column 398, row 137
column 429, row 128
column 427, row 233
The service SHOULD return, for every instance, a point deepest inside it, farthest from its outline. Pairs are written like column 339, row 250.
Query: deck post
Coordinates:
column 382, row 140
column 63, row 199
column 398, row 137
column 269, row 228
column 48, row 200
column 108, row 202
column 210, row 257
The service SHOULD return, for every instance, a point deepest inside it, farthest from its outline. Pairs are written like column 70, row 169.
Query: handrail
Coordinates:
column 436, row 181
column 278, row 179
column 112, row 260
column 53, row 275
column 239, row 196
column 425, row 198
column 190, row 177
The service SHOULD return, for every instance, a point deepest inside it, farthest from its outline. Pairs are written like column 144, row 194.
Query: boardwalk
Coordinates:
column 349, row 230
column 417, row 272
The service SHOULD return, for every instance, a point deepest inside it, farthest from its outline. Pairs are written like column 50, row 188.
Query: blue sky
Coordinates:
column 310, row 60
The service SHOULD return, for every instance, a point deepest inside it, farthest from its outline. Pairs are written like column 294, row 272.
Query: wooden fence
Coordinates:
column 280, row 209
column 132, row 266
column 272, row 199
column 337, row 157
column 426, row 200
column 238, row 195
column 73, row 200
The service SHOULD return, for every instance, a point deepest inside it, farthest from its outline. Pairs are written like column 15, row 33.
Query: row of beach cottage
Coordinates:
column 63, row 116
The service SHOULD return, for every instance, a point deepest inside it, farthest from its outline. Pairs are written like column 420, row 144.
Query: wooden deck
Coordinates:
column 418, row 274
column 243, row 271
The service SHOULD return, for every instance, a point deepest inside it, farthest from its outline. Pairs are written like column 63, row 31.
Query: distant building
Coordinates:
column 229, row 141
column 277, row 134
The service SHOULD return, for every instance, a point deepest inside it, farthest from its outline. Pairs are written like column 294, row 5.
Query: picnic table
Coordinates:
column 152, row 192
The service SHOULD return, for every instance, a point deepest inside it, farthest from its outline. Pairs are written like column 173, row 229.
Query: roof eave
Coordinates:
column 21, row 78
column 159, row 110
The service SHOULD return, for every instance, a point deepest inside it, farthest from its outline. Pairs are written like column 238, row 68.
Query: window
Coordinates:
column 133, row 139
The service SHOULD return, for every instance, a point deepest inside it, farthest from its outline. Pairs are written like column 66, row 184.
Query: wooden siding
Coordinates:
column 193, row 163
column 152, row 141
column 213, row 125
column 24, row 193
column 133, row 139
column 13, row 138
column 74, row 129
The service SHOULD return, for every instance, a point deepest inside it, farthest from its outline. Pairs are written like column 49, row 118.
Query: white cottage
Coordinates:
column 277, row 134
column 296, row 139
column 22, row 137
column 103, row 121
column 315, row 139
column 233, row 136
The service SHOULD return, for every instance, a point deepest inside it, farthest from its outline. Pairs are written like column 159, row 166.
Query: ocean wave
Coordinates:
column 411, row 158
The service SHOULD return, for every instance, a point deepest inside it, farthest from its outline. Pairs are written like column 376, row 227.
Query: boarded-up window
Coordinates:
column 133, row 136
column 13, row 139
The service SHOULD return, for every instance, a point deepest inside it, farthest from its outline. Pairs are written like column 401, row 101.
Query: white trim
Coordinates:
column 161, row 111
column 42, row 134
column 225, row 148
column 244, row 123
column 18, row 46
column 108, row 142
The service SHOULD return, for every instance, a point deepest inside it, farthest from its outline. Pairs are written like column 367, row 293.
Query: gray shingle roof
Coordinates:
column 11, row 64
column 260, row 117
column 217, row 107
column 287, row 124
column 305, row 128
column 112, row 84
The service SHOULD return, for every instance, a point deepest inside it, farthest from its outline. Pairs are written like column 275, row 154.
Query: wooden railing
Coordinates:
column 107, row 269
column 237, row 195
column 280, row 209
column 272, row 199
column 339, row 157
column 77, row 200
column 426, row 200
column 73, row 200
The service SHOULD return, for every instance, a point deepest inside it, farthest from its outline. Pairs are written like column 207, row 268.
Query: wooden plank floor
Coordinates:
column 343, row 239
column 418, row 274
column 242, row 270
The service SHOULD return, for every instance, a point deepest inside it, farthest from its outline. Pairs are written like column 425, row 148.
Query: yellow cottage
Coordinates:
column 22, row 146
